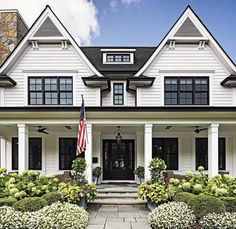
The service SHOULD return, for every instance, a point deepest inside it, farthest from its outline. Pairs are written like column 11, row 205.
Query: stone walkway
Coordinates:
column 118, row 217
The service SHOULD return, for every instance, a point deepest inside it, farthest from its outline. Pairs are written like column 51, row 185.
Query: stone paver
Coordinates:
column 118, row 217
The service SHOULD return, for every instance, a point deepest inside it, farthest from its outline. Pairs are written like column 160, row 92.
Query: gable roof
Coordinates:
column 95, row 55
column 183, row 27
column 46, row 20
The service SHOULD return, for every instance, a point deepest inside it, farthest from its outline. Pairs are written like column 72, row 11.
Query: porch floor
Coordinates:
column 119, row 187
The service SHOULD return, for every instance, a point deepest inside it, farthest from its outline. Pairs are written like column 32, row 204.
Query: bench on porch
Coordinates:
column 65, row 177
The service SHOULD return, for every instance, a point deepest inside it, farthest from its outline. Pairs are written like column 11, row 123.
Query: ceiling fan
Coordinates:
column 198, row 130
column 42, row 130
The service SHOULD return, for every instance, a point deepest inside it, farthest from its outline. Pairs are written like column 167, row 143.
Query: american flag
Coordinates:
column 81, row 141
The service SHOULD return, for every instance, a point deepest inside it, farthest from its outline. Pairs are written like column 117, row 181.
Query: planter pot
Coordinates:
column 83, row 203
column 95, row 179
column 151, row 205
column 141, row 180
column 99, row 180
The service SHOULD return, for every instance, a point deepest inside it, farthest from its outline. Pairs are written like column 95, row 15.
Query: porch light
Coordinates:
column 118, row 135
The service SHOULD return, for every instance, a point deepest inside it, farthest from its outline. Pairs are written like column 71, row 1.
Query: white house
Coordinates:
column 176, row 101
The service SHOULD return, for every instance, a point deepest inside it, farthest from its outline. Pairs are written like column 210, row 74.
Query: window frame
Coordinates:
column 194, row 91
column 165, row 141
column 15, row 153
column 44, row 91
column 118, row 94
column 66, row 166
column 220, row 139
column 118, row 53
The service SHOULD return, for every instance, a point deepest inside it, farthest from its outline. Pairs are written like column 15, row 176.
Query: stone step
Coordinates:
column 115, row 190
column 116, row 195
column 118, row 201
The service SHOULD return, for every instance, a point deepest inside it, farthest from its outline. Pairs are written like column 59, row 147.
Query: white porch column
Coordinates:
column 213, row 158
column 147, row 149
column 3, row 152
column 23, row 147
column 88, row 153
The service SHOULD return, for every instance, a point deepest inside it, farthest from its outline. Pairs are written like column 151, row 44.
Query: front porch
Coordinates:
column 179, row 144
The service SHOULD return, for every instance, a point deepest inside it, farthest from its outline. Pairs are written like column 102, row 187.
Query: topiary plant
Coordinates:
column 52, row 197
column 204, row 204
column 139, row 172
column 185, row 197
column 97, row 171
column 230, row 203
column 78, row 169
column 156, row 168
column 30, row 204
column 172, row 215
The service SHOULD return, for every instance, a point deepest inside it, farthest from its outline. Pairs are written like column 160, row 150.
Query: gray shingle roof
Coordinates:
column 141, row 55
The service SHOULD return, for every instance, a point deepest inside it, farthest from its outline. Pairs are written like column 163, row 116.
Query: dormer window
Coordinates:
column 118, row 56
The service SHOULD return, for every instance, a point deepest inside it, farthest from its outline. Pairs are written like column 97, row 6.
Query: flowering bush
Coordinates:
column 72, row 193
column 58, row 215
column 153, row 192
column 172, row 215
column 225, row 220
column 156, row 168
column 26, row 184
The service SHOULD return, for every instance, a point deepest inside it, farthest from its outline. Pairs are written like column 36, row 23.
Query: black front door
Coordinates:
column 118, row 160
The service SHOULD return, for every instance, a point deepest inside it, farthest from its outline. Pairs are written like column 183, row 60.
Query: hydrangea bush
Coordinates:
column 225, row 220
column 172, row 215
column 58, row 215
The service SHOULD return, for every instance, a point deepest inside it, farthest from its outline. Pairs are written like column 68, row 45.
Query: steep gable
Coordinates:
column 46, row 29
column 188, row 29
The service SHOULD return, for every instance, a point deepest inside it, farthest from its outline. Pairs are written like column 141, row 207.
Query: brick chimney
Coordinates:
column 12, row 29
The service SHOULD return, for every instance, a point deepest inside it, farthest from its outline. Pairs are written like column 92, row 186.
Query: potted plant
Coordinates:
column 96, row 174
column 139, row 172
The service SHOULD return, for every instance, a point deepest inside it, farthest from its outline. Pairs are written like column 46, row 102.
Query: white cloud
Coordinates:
column 79, row 16
column 113, row 4
column 129, row 2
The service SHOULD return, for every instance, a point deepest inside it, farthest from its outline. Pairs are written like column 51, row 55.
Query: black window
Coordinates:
column 50, row 90
column 67, row 152
column 118, row 58
column 202, row 153
column 14, row 151
column 118, row 94
column 35, row 153
column 166, row 149
column 186, row 91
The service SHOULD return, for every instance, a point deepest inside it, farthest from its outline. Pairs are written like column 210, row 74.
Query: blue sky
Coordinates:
column 145, row 22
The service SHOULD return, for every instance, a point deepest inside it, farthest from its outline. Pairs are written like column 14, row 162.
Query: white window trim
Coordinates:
column 104, row 58
column 112, row 94
column 27, row 75
column 163, row 75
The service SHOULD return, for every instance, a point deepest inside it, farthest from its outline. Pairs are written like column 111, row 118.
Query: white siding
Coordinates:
column 183, row 61
column 50, row 60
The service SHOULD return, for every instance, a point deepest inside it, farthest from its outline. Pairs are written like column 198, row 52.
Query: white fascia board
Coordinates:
column 118, row 50
column 170, row 35
column 23, row 44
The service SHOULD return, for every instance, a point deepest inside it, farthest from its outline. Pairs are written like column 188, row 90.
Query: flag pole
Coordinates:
column 85, row 118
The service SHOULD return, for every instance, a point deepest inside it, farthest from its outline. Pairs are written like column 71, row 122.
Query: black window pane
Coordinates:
column 35, row 153
column 118, row 58
column 201, row 145
column 188, row 90
column 118, row 94
column 67, row 152
column 166, row 149
column 14, row 147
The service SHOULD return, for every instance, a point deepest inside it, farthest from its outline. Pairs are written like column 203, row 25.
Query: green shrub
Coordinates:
column 52, row 197
column 230, row 203
column 172, row 215
column 8, row 201
column 30, row 204
column 185, row 197
column 78, row 169
column 156, row 168
column 219, row 221
column 204, row 204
